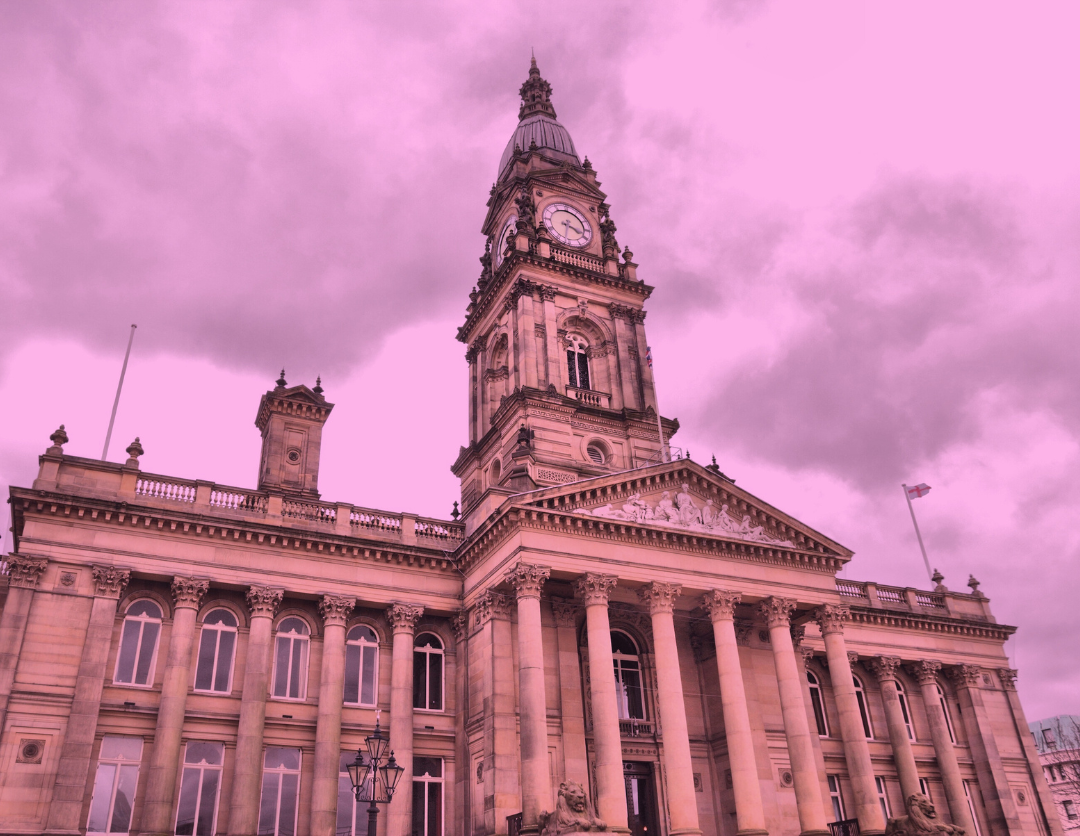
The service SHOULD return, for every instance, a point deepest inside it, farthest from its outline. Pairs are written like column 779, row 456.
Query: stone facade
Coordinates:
column 1057, row 740
column 182, row 657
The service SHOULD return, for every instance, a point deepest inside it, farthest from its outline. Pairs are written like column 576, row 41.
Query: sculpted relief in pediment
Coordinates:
column 682, row 512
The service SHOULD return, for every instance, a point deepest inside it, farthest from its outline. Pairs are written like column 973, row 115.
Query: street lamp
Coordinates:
column 371, row 778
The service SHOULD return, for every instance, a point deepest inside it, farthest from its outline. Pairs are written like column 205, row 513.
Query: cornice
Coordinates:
column 930, row 623
column 264, row 535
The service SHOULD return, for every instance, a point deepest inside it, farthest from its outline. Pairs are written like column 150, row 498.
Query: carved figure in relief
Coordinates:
column 665, row 508
column 708, row 514
column 689, row 513
column 920, row 820
column 636, row 509
column 573, row 813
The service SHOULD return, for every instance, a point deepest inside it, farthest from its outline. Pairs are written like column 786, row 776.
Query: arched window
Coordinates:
column 138, row 644
column 290, row 659
column 496, row 472
column 817, row 702
column 428, row 672
column 864, row 709
column 361, row 666
column 217, row 646
column 902, row 694
column 945, row 710
column 577, row 362
column 628, row 692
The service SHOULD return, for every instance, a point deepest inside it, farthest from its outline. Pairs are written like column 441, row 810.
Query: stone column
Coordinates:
column 682, row 799
column 324, row 785
column 555, row 357
column 925, row 674
column 884, row 668
column 993, row 782
column 165, row 755
column 402, row 618
column 74, row 767
column 777, row 615
column 247, row 776
column 1046, row 807
column 648, row 388
column 528, row 581
column 749, row 813
column 624, row 338
column 463, row 818
column 571, row 708
column 594, row 589
column 24, row 572
column 831, row 619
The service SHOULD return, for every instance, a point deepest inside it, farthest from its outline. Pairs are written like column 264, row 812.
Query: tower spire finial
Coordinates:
column 535, row 93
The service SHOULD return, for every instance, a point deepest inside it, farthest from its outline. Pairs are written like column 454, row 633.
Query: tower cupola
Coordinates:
column 291, row 419
column 538, row 129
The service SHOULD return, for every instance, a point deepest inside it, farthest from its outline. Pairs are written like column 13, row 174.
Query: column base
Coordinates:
column 685, row 831
column 752, row 833
column 815, row 833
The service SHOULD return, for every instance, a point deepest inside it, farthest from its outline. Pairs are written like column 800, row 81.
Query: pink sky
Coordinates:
column 860, row 219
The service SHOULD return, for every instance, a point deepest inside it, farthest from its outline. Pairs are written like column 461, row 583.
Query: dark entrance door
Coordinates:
column 640, row 798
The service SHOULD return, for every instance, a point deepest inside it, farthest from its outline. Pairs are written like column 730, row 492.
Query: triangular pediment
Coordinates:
column 685, row 497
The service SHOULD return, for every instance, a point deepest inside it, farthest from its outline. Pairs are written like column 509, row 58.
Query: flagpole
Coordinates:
column 116, row 402
column 914, row 522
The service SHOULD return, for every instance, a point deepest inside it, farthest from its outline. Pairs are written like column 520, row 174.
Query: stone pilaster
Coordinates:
column 157, row 815
column 335, row 611
column 263, row 602
column 831, row 619
column 682, row 800
column 885, row 668
column 749, row 813
column 528, row 582
column 74, row 767
column 402, row 618
column 776, row 612
column 571, row 706
column 593, row 590
column 24, row 574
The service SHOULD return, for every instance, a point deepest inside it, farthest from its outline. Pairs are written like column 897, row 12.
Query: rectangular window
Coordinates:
column 836, row 797
column 1070, row 809
column 924, row 788
column 883, row 796
column 114, row 785
column 427, row 816
column 280, row 791
column 907, row 714
column 352, row 815
column 196, row 812
column 969, row 794
column 571, row 367
column 1048, row 737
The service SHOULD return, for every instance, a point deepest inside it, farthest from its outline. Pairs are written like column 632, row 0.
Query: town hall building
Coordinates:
column 182, row 657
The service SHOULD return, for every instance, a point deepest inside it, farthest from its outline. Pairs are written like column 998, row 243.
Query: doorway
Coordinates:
column 640, row 798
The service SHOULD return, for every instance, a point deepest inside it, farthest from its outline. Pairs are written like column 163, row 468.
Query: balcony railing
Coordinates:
column 847, row 827
column 635, row 728
column 589, row 397
column 589, row 262
column 513, row 824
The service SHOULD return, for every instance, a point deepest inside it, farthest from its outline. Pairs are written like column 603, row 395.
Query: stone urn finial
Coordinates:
column 974, row 584
column 937, row 578
column 281, row 384
column 58, row 439
column 134, row 450
column 318, row 390
column 455, row 514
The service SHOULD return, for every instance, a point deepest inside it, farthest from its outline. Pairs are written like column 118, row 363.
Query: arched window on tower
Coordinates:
column 628, row 691
column 577, row 362
column 864, row 708
column 138, row 644
column 817, row 702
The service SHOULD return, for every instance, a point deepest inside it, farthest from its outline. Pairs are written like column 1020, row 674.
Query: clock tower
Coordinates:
column 559, row 385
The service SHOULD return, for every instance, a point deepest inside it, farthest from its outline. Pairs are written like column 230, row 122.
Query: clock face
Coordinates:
column 500, row 243
column 567, row 225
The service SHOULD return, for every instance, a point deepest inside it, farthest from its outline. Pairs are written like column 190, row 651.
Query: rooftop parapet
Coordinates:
column 941, row 602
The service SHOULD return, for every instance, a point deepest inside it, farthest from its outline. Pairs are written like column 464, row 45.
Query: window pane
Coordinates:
column 367, row 691
column 861, row 697
column 361, row 632
column 204, row 669
column 435, row 681
column 208, row 802
column 224, row 661
column 280, row 758
column 125, row 799
column 819, row 712
column 583, row 371
column 268, row 806
column 189, row 795
column 146, row 652
column 571, row 366
column 434, row 810
column 209, row 753
column 128, row 748
column 294, row 625
column 428, row 766
column 147, row 608
column 352, row 674
column 298, row 670
column 99, row 810
column 129, row 646
column 290, row 784
column 419, row 680
column 419, row 820
column 281, row 667
column 221, row 617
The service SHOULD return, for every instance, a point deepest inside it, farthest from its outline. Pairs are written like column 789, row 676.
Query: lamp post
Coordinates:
column 371, row 778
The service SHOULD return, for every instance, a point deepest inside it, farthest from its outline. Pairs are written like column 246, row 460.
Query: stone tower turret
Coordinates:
column 291, row 419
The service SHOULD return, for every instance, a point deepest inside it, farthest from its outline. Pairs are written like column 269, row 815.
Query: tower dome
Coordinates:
column 538, row 124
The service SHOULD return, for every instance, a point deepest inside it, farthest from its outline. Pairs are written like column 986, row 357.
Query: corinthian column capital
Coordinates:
column 25, row 571
column 189, row 592
column 831, row 618
column 660, row 597
column 1008, row 678
column 721, row 604
column 263, row 601
column 403, row 617
column 884, row 667
column 527, row 579
column 924, row 671
column 335, row 610
column 777, row 611
column 594, row 588
column 965, row 676
column 109, row 581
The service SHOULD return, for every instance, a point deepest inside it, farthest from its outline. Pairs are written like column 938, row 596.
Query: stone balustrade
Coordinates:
column 908, row 599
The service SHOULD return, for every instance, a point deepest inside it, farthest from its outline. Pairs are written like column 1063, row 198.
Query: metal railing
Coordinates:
column 847, row 827
column 513, row 824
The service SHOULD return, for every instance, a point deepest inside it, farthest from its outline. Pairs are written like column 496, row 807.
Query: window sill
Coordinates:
column 134, row 685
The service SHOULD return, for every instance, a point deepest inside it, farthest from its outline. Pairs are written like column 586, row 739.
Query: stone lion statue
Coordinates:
column 920, row 820
column 573, row 813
